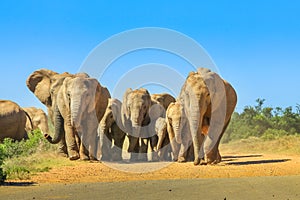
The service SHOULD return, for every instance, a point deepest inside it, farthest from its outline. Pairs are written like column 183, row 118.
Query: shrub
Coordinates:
column 263, row 122
column 10, row 150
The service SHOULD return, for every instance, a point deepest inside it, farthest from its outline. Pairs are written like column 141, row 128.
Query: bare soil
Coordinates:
column 233, row 165
column 238, row 176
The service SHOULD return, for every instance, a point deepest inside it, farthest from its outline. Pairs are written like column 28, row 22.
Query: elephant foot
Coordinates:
column 214, row 161
column 181, row 159
column 84, row 157
column 196, row 161
column 74, row 157
column 203, row 162
column 92, row 158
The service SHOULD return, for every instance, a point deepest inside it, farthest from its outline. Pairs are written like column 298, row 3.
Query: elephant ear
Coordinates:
column 63, row 93
column 82, row 75
column 101, row 98
column 216, row 87
column 125, row 109
column 147, row 96
column 39, row 83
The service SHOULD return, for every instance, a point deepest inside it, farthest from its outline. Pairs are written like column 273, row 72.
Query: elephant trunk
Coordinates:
column 195, row 122
column 161, row 138
column 136, row 124
column 75, row 107
column 177, row 133
column 59, row 127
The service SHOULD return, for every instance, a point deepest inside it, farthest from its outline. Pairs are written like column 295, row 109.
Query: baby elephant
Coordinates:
column 163, row 144
column 110, row 129
column 179, row 134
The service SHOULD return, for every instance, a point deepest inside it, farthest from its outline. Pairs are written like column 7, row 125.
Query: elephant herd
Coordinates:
column 90, row 125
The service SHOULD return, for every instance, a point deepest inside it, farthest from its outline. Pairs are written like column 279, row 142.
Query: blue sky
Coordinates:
column 255, row 44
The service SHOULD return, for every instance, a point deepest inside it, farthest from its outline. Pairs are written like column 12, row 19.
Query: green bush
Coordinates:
column 2, row 173
column 272, row 134
column 263, row 122
column 10, row 150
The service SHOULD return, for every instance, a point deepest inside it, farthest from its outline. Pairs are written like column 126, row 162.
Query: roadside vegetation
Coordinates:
column 265, row 123
column 263, row 129
column 20, row 160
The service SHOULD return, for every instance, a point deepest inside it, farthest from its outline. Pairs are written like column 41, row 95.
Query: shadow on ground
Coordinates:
column 255, row 162
column 21, row 184
column 243, row 156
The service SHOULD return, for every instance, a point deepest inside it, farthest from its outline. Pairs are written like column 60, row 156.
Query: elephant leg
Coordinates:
column 93, row 145
column 185, row 145
column 103, row 146
column 119, row 138
column 198, row 150
column 183, row 152
column 190, row 153
column 166, row 154
column 106, row 148
column 83, row 150
column 71, row 143
column 62, row 147
column 153, row 145
column 133, row 147
column 175, row 148
column 214, row 157
column 143, row 149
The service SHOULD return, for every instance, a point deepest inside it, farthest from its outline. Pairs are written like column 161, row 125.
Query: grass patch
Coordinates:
column 289, row 145
column 23, row 168
column 20, row 160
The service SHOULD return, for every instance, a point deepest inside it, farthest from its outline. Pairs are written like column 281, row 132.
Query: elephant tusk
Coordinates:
column 48, row 137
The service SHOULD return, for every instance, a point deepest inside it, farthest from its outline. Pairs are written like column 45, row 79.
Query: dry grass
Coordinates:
column 288, row 145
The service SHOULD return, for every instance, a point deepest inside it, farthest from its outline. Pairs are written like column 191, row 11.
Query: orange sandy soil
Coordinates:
column 233, row 165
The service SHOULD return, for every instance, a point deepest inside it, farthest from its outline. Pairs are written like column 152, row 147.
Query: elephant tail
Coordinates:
column 29, row 118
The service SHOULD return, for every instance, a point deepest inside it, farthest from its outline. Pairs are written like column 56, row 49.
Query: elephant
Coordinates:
column 159, row 105
column 81, row 103
column 12, row 121
column 39, row 120
column 111, row 128
column 178, row 133
column 207, row 99
column 135, row 114
column 164, row 100
column 46, row 85
column 163, row 143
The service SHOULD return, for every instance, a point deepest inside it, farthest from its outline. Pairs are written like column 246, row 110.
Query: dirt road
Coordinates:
column 239, row 176
column 281, row 188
